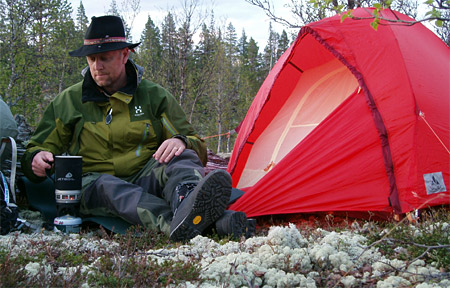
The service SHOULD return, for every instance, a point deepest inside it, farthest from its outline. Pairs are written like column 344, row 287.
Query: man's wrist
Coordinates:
column 182, row 138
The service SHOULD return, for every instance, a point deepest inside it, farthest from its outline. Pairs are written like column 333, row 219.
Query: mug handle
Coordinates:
column 48, row 172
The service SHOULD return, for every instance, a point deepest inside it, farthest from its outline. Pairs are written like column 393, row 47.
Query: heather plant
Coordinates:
column 326, row 252
column 127, row 265
column 428, row 238
column 9, row 274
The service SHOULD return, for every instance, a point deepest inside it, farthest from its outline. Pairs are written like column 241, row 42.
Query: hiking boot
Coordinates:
column 235, row 224
column 251, row 228
column 202, row 206
column 232, row 224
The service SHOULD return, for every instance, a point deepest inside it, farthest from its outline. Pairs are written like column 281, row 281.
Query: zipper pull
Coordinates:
column 108, row 117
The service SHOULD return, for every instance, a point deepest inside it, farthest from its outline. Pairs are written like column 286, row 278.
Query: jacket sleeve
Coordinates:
column 175, row 124
column 51, row 135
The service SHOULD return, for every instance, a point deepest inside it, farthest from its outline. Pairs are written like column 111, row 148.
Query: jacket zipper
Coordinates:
column 144, row 137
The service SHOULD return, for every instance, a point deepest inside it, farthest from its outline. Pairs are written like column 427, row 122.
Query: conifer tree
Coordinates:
column 149, row 55
column 39, row 38
column 215, row 79
column 169, row 55
column 283, row 44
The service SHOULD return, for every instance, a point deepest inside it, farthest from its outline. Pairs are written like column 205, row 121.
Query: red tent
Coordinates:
column 349, row 119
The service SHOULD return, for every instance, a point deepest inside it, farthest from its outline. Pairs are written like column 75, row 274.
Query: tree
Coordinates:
column 283, row 44
column 444, row 31
column 206, row 61
column 169, row 54
column 185, row 47
column 63, row 33
column 36, row 37
column 15, row 17
column 214, row 79
column 218, row 91
column 127, row 12
column 82, row 22
column 228, row 87
column 77, row 64
column 270, row 52
column 150, row 51
column 256, row 74
column 250, row 75
column 307, row 11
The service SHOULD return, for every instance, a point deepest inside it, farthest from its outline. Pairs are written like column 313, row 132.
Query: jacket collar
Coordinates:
column 93, row 93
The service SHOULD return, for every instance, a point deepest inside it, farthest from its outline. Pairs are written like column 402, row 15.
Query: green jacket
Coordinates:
column 143, row 115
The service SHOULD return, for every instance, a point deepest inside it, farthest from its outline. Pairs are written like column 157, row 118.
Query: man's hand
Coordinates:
column 42, row 161
column 168, row 149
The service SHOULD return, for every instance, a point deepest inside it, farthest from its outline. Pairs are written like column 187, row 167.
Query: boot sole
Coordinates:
column 202, row 207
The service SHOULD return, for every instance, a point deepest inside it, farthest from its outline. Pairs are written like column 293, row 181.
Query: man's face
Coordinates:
column 108, row 68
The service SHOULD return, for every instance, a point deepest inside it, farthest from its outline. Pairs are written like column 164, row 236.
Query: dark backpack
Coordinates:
column 8, row 131
column 9, row 209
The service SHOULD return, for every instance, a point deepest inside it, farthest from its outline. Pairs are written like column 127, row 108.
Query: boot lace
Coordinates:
column 182, row 191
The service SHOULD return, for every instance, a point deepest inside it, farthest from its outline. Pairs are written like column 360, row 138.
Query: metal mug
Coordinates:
column 68, row 176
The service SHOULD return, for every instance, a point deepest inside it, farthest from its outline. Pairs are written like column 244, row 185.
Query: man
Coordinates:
column 142, row 160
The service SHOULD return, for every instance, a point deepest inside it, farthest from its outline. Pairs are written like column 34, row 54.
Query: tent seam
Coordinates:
column 376, row 115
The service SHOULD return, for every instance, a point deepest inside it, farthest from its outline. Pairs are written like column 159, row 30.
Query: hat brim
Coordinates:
column 94, row 49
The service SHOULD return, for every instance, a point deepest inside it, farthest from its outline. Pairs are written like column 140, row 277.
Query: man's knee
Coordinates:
column 109, row 193
column 186, row 160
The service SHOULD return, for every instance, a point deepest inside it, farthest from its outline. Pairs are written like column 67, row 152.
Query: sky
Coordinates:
column 240, row 13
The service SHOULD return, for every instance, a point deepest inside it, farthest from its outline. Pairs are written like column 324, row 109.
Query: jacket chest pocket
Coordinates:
column 141, row 134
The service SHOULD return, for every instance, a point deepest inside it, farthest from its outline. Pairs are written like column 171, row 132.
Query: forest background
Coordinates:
column 213, row 71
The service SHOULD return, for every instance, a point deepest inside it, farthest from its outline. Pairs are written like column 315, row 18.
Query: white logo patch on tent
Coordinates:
column 434, row 182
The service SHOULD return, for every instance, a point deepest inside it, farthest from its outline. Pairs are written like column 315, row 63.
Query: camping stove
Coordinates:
column 68, row 224
column 67, row 206
column 67, row 201
column 68, row 183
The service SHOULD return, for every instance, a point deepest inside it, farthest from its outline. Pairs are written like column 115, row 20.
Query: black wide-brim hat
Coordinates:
column 105, row 33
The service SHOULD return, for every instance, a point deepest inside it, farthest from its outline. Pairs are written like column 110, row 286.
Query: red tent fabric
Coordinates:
column 349, row 119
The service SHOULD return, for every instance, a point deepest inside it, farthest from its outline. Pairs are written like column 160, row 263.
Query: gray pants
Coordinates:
column 144, row 198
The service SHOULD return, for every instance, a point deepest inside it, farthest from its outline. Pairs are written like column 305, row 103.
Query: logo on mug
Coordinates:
column 68, row 177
